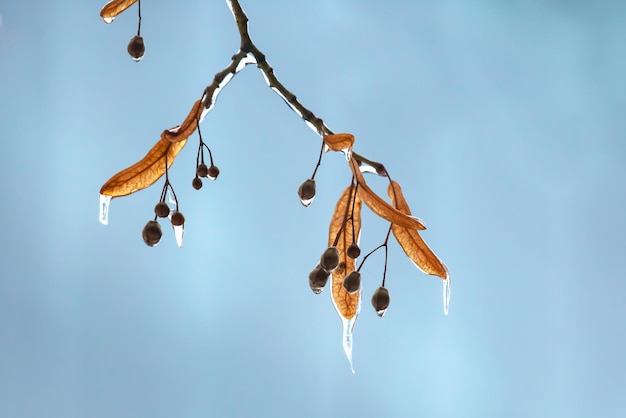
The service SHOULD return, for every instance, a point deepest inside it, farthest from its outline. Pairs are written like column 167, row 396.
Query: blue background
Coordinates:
column 502, row 120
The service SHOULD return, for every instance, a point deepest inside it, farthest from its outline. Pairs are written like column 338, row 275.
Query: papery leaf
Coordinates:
column 145, row 172
column 379, row 206
column 189, row 125
column 346, row 304
column 338, row 142
column 411, row 242
column 114, row 8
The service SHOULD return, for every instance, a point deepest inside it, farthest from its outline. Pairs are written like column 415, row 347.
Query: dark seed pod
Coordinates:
column 317, row 279
column 213, row 172
column 136, row 48
column 161, row 210
column 196, row 183
column 306, row 192
column 177, row 218
column 380, row 300
column 151, row 233
column 202, row 170
column 329, row 259
column 352, row 282
column 353, row 250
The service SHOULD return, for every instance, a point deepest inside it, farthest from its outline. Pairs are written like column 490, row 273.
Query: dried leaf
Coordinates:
column 379, row 206
column 145, row 172
column 411, row 242
column 114, row 8
column 189, row 125
column 345, row 303
column 338, row 142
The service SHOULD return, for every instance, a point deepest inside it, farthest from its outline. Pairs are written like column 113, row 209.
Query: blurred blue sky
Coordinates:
column 502, row 120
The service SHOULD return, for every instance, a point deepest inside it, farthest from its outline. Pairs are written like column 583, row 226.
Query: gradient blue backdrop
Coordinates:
column 503, row 120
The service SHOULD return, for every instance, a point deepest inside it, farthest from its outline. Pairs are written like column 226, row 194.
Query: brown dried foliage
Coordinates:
column 338, row 142
column 151, row 167
column 348, row 203
column 145, row 172
column 379, row 206
column 114, row 8
column 410, row 240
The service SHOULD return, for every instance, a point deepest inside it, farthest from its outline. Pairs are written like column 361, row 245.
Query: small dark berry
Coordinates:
column 202, row 170
column 151, row 233
column 136, row 48
column 196, row 183
column 306, row 192
column 353, row 250
column 177, row 218
column 213, row 172
column 352, row 282
column 317, row 279
column 380, row 300
column 329, row 259
column 161, row 210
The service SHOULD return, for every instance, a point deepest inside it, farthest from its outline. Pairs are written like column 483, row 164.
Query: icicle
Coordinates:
column 446, row 295
column 105, row 201
column 348, row 325
column 178, row 233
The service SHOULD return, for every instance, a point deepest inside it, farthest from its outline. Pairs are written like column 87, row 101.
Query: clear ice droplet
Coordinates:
column 446, row 295
column 108, row 20
column 137, row 59
column 306, row 202
column 381, row 312
column 105, row 201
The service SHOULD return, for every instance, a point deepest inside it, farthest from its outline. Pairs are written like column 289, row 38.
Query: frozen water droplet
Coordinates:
column 381, row 312
column 105, row 201
column 446, row 295
column 178, row 233
column 108, row 20
column 317, row 290
column 137, row 59
column 306, row 202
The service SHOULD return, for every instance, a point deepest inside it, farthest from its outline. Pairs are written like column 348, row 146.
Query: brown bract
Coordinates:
column 410, row 240
column 379, row 206
column 114, row 8
column 338, row 142
column 345, row 303
column 189, row 125
column 151, row 167
column 145, row 172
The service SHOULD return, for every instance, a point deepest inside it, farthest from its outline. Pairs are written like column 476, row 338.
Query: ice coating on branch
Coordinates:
column 366, row 168
column 105, row 201
column 446, row 295
column 248, row 59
